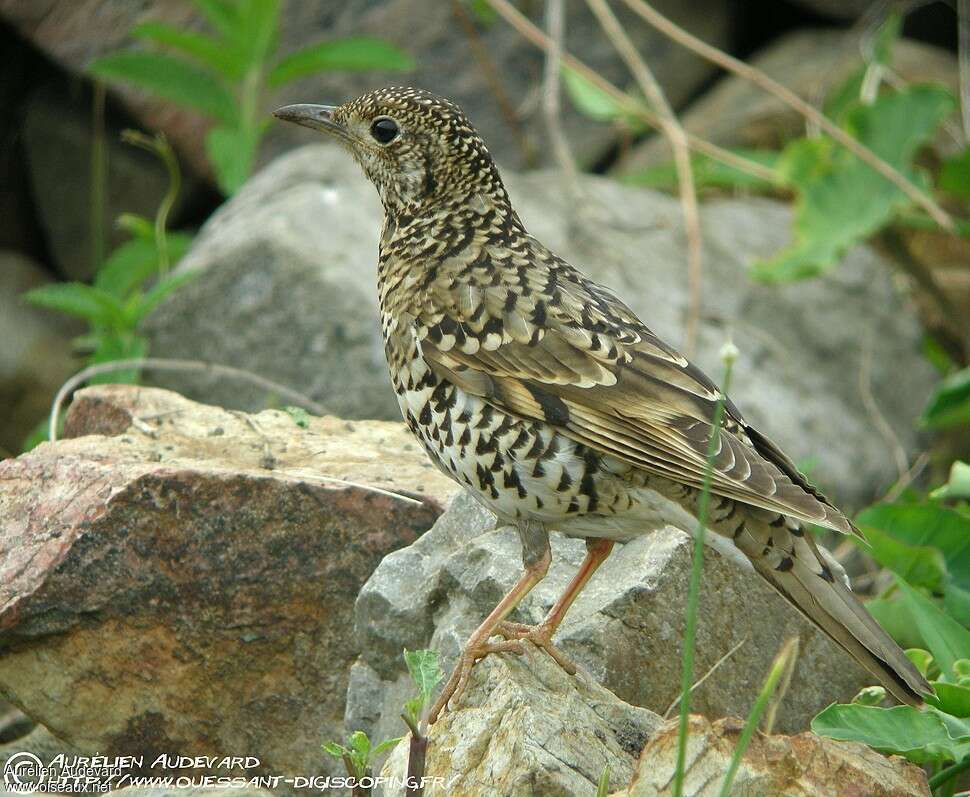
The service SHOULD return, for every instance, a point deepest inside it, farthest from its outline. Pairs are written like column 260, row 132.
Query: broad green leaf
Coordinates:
column 360, row 744
column 232, row 151
column 870, row 696
column 223, row 15
column 955, row 175
column 114, row 346
column 950, row 403
column 78, row 299
column 137, row 226
column 127, row 267
column 926, row 524
column 920, row 565
column 952, row 699
column 387, row 744
column 896, row 620
column 259, row 21
column 922, row 660
column 957, row 486
column 841, row 200
column 159, row 292
column 334, row 749
column 361, row 53
column 299, row 415
column 946, row 639
column 171, row 78
column 921, row 736
column 956, row 603
column 591, row 100
column 204, row 49
column 709, row 173
column 424, row 669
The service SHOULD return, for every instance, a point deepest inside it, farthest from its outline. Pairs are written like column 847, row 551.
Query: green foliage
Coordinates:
column 840, row 199
column 710, row 173
column 227, row 73
column 299, row 415
column 927, row 608
column 954, row 176
column 957, row 486
column 426, row 672
column 358, row 753
column 127, row 287
column 950, row 403
column 592, row 101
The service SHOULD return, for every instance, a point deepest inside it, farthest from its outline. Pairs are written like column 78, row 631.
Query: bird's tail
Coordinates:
column 810, row 578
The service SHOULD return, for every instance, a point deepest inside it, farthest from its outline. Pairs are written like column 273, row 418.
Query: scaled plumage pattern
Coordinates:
column 549, row 399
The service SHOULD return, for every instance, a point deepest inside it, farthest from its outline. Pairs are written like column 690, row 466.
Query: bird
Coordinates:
column 552, row 402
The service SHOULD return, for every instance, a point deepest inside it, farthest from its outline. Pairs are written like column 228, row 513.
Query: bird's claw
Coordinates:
column 472, row 654
column 540, row 636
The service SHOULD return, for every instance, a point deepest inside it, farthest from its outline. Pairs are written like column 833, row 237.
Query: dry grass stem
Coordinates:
column 706, row 675
column 786, row 95
column 551, row 95
column 192, row 366
column 534, row 35
column 674, row 132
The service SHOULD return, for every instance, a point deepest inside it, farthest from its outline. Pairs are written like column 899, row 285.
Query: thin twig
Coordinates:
column 706, row 675
column 551, row 82
column 629, row 104
column 786, row 95
column 495, row 82
column 193, row 366
column 674, row 132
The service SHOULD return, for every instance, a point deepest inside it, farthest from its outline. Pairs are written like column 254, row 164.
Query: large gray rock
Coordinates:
column 180, row 578
column 74, row 32
column 530, row 729
column 625, row 628
column 288, row 291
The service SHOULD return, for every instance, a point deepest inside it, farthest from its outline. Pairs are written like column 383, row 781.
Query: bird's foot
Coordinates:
column 540, row 636
column 474, row 651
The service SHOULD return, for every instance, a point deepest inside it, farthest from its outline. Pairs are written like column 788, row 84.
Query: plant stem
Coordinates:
column 780, row 670
column 694, row 591
column 98, row 176
column 949, row 773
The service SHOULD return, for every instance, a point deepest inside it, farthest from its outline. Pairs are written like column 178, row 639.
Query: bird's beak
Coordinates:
column 318, row 117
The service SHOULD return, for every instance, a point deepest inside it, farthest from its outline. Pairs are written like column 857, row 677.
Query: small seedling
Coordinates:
column 357, row 756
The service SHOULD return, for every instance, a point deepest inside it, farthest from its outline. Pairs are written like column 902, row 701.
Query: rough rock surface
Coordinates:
column 624, row 629
column 289, row 292
column 74, row 32
column 186, row 584
column 736, row 113
column 773, row 766
column 528, row 728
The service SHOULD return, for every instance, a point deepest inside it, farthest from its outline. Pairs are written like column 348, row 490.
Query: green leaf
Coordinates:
column 842, row 200
column 114, row 346
column 952, row 699
column 483, row 11
column 926, row 524
column 204, row 49
column 232, row 152
column 355, row 54
column 425, row 671
column 921, row 736
column 299, row 415
column 387, row 744
column 950, row 403
column 921, row 565
column 956, row 603
column 259, row 25
column 162, row 289
column 360, row 744
column 223, row 15
column 922, row 660
column 168, row 77
column 894, row 617
column 128, row 267
column 334, row 749
column 955, row 175
column 591, row 100
column 946, row 639
column 709, row 173
column 957, row 486
column 78, row 299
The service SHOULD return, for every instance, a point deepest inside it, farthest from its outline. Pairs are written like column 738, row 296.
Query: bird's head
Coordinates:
column 418, row 149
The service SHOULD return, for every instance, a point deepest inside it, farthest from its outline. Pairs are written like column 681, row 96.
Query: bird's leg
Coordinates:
column 536, row 556
column 596, row 552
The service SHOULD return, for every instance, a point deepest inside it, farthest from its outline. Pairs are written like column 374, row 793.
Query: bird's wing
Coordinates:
column 571, row 354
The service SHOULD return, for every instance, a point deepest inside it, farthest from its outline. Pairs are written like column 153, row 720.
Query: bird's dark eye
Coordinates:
column 384, row 130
